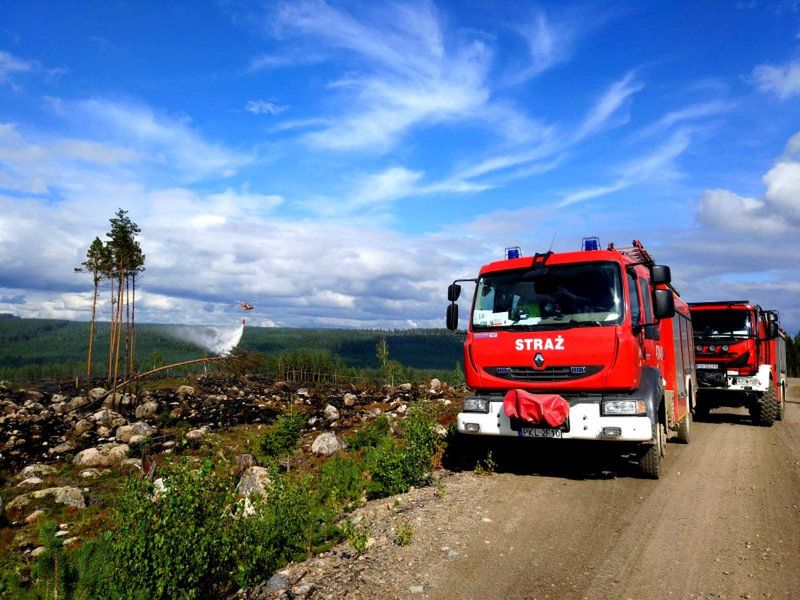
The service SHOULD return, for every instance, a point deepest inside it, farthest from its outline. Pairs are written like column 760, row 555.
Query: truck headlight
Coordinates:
column 624, row 407
column 475, row 404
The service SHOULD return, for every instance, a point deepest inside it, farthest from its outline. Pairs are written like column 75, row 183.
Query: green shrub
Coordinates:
column 176, row 544
column 341, row 482
column 403, row 534
column 371, row 434
column 395, row 466
column 283, row 435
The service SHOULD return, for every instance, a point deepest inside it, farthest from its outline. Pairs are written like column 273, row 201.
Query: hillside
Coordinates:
column 41, row 348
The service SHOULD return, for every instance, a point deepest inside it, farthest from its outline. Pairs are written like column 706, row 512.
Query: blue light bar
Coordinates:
column 513, row 252
column 590, row 243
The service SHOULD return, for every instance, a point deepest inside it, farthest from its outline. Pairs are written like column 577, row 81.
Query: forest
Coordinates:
column 38, row 350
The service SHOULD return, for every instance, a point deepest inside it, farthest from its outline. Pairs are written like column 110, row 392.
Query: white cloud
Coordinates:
column 658, row 165
column 693, row 112
column 168, row 141
column 778, row 211
column 781, row 80
column 264, row 107
column 11, row 65
column 609, row 104
column 721, row 209
column 405, row 74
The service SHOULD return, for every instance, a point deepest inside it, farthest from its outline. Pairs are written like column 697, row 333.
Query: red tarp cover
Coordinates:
column 536, row 408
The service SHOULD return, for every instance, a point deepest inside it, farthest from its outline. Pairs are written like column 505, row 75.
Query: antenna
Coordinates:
column 552, row 241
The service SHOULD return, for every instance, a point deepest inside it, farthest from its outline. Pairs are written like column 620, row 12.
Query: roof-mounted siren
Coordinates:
column 590, row 243
column 513, row 252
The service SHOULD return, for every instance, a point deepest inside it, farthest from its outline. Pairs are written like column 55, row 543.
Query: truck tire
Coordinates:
column 701, row 410
column 781, row 404
column 650, row 461
column 766, row 409
column 684, row 432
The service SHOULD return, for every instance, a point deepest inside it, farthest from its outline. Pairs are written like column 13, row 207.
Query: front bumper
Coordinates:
column 731, row 381
column 585, row 423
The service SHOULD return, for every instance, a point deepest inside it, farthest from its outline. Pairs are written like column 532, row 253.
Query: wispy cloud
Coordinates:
column 693, row 112
column 264, row 107
column 163, row 139
column 609, row 105
column 781, row 80
column 11, row 65
column 405, row 74
column 658, row 165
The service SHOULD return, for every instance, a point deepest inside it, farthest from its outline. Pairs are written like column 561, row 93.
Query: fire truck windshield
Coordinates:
column 721, row 323
column 560, row 296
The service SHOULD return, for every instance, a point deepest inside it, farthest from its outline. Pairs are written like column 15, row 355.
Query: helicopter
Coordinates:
column 244, row 305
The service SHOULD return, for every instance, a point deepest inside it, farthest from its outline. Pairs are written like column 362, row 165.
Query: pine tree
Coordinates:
column 95, row 264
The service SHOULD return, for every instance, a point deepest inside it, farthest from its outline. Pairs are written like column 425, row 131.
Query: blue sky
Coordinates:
column 339, row 162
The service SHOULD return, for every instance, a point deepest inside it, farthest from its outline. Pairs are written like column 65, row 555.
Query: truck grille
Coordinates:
column 531, row 375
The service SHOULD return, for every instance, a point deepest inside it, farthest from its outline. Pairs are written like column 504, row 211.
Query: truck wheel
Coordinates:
column 781, row 405
column 701, row 410
column 650, row 461
column 685, row 428
column 766, row 409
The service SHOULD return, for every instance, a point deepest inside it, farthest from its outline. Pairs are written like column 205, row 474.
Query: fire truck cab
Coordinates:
column 741, row 358
column 603, row 330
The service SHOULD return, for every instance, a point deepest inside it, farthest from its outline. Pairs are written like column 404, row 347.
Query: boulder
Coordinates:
column 405, row 387
column 254, row 480
column 148, row 409
column 64, row 447
column 83, row 426
column 97, row 393
column 36, row 470
column 103, row 432
column 34, row 517
column 244, row 462
column 56, row 398
column 30, row 482
column 76, row 403
column 330, row 412
column 196, row 435
column 185, row 390
column 67, row 495
column 436, row 385
column 127, row 432
column 350, row 399
column 105, row 455
column 90, row 473
column 326, row 444
column 38, row 551
column 440, row 430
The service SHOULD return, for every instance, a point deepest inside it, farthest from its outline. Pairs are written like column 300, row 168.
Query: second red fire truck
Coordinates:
column 741, row 358
column 590, row 345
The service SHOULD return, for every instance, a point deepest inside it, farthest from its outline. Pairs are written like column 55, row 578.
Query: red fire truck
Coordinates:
column 590, row 345
column 741, row 358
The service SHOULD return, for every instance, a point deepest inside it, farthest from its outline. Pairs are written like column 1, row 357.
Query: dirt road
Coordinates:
column 723, row 522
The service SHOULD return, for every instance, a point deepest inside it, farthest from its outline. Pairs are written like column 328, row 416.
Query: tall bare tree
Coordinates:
column 95, row 264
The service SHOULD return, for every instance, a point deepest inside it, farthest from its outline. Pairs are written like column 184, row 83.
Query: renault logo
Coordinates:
column 538, row 360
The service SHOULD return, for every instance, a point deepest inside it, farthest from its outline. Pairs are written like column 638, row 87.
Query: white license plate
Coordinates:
column 539, row 433
column 706, row 366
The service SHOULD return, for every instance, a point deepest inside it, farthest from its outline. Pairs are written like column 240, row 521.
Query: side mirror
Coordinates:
column 772, row 330
column 663, row 304
column 453, row 292
column 452, row 317
column 660, row 274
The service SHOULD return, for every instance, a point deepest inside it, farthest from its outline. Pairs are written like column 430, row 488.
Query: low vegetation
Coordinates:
column 197, row 539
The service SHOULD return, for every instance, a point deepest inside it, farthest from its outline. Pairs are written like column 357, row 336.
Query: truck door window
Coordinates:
column 633, row 297
column 648, row 310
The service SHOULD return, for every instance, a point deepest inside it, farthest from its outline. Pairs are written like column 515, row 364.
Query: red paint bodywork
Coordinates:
column 746, row 355
column 619, row 352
